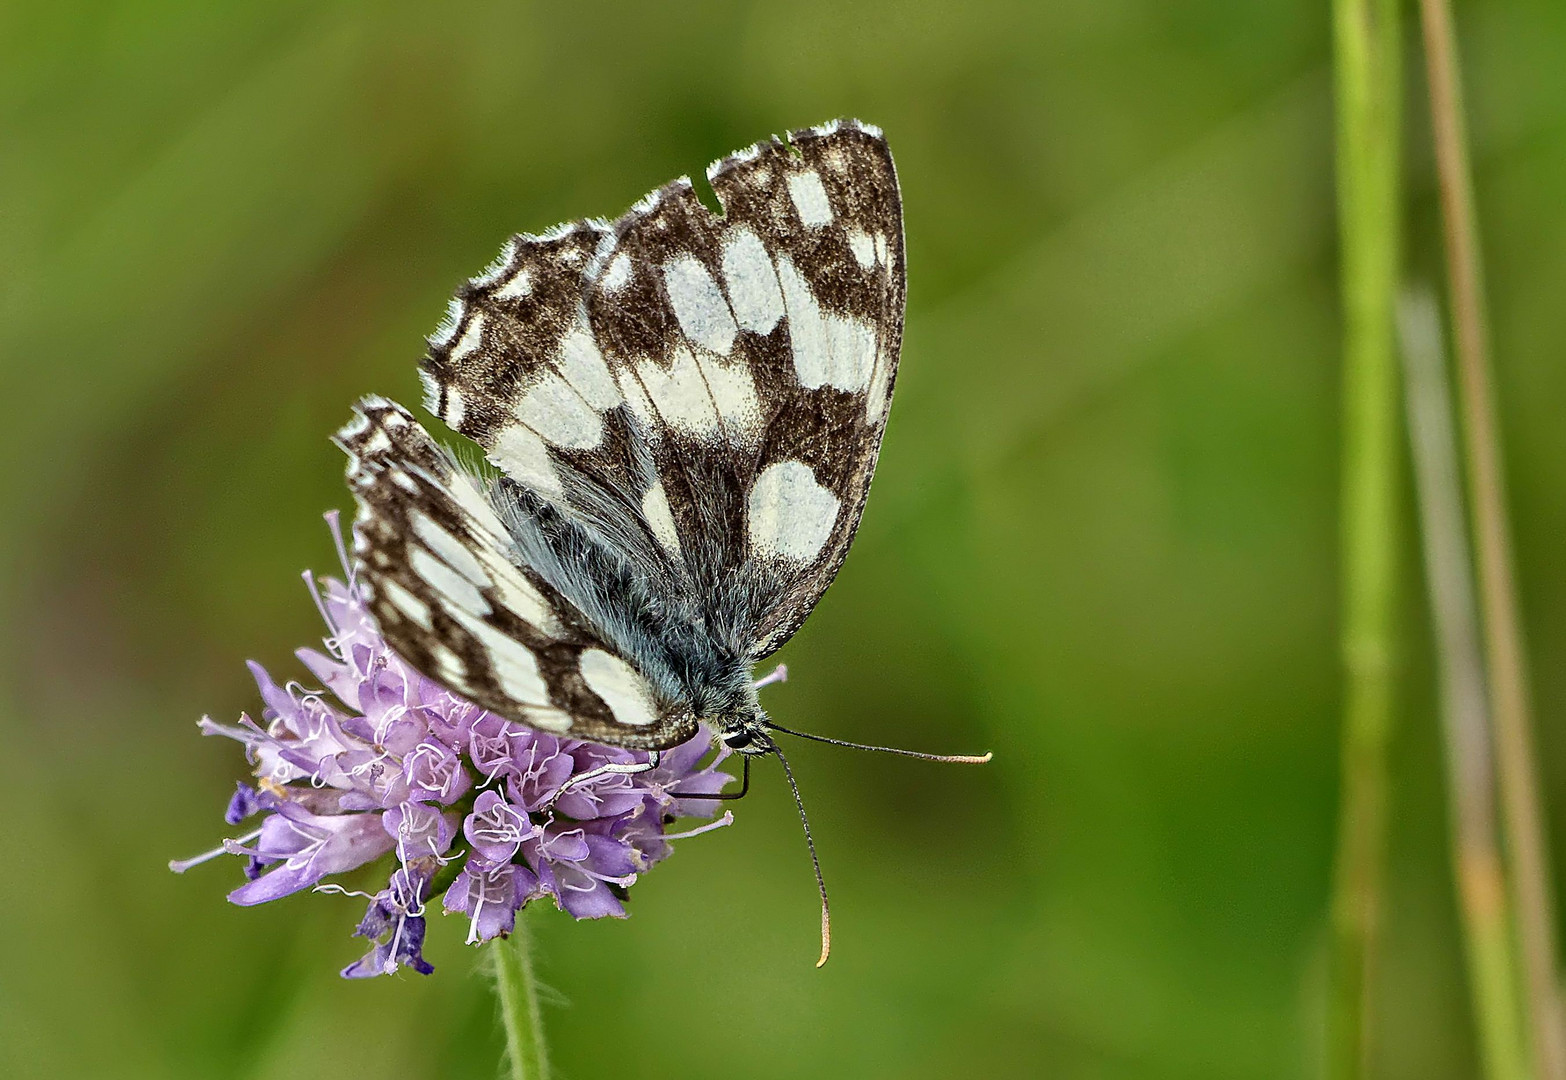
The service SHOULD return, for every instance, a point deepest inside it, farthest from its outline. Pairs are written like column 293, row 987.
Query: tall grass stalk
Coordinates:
column 1504, row 649
column 1365, row 59
column 1470, row 761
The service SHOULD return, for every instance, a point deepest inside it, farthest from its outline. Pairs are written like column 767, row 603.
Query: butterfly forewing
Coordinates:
column 706, row 391
column 440, row 573
column 685, row 409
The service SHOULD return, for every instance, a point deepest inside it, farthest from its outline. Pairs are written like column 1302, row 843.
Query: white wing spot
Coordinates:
column 522, row 455
column 449, row 548
column 406, row 603
column 852, row 342
column 465, row 490
column 636, row 398
column 751, row 280
column 863, row 248
column 790, row 515
column 680, row 393
column 556, row 411
column 618, row 276
column 698, row 304
column 520, row 285
column 460, row 593
column 547, row 719
column 456, row 408
column 655, row 508
column 829, row 350
column 516, row 594
column 514, row 665
column 582, row 364
column 449, row 667
column 472, row 337
column 810, row 198
column 733, row 389
column 623, row 690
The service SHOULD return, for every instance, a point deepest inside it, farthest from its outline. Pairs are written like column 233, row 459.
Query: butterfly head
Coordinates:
column 745, row 731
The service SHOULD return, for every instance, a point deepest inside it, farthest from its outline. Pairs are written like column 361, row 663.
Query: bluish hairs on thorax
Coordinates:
column 689, row 642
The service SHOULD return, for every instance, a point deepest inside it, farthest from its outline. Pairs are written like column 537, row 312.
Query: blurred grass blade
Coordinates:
column 1470, row 763
column 1504, row 649
column 1365, row 53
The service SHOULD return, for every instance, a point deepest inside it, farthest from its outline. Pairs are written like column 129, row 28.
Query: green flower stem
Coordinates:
column 519, row 1010
column 1365, row 50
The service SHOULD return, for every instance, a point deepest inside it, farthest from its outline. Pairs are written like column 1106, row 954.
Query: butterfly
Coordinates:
column 681, row 412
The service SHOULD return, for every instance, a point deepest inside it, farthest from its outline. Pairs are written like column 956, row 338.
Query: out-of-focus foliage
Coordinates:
column 1101, row 544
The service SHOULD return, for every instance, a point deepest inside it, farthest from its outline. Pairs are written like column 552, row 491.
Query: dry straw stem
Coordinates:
column 1470, row 764
column 1366, row 54
column 1504, row 649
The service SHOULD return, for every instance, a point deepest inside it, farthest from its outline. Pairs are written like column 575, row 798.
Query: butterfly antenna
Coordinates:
column 826, row 916
column 958, row 759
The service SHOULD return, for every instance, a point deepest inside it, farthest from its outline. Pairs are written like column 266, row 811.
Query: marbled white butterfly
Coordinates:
column 684, row 409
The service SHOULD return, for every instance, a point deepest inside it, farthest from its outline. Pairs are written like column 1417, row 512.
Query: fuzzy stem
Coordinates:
column 1504, row 649
column 1366, row 53
column 519, row 1010
column 1470, row 761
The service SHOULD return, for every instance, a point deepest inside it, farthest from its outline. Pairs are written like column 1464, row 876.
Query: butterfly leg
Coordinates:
column 653, row 758
column 724, row 796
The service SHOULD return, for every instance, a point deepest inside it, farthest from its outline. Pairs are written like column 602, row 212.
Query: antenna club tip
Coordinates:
column 826, row 941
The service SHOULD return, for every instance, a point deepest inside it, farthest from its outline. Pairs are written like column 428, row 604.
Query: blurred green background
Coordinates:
column 1102, row 541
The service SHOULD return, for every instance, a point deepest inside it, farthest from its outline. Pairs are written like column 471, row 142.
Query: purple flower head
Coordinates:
column 385, row 773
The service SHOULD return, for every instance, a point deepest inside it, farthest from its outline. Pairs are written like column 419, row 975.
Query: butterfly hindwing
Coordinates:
column 438, row 568
column 708, row 392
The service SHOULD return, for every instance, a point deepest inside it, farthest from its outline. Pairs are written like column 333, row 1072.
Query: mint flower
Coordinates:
column 384, row 766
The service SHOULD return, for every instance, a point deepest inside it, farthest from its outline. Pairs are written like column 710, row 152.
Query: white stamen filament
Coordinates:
column 726, row 819
column 338, row 890
column 391, row 953
column 179, row 866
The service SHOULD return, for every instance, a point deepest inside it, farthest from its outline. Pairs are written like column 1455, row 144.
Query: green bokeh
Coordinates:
column 1102, row 540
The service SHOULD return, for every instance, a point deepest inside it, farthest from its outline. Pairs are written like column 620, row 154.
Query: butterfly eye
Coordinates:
column 734, row 740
